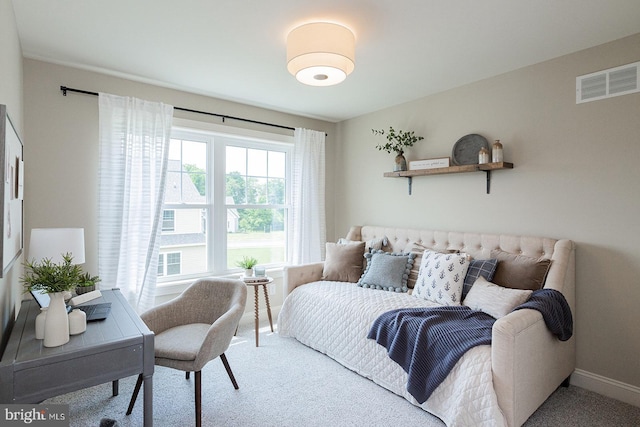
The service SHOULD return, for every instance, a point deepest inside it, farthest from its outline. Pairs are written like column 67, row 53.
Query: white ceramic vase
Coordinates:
column 40, row 321
column 56, row 325
column 77, row 322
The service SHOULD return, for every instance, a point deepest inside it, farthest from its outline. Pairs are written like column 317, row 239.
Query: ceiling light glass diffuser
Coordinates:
column 320, row 53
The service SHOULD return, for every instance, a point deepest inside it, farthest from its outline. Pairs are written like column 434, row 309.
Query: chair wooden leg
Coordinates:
column 136, row 390
column 198, row 399
column 187, row 374
column 225, row 362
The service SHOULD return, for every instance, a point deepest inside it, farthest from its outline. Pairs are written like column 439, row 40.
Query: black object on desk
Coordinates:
column 92, row 311
column 117, row 347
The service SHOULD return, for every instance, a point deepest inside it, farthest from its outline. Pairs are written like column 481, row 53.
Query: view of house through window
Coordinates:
column 226, row 198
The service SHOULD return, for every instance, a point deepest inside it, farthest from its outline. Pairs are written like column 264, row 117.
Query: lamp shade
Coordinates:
column 320, row 53
column 53, row 243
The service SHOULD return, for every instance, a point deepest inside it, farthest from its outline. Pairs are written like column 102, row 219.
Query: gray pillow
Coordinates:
column 478, row 267
column 387, row 271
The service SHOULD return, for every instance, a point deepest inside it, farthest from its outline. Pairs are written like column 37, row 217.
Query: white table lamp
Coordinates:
column 53, row 243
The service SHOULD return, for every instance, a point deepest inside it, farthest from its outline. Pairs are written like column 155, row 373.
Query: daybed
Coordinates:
column 493, row 385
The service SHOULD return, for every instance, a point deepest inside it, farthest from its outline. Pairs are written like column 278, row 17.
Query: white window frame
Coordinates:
column 216, row 235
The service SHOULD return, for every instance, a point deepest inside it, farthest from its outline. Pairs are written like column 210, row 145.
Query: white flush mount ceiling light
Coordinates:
column 320, row 53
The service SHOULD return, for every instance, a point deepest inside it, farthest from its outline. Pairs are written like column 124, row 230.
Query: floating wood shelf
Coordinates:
column 485, row 167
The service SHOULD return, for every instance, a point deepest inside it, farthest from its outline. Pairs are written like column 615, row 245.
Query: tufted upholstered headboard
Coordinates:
column 561, row 276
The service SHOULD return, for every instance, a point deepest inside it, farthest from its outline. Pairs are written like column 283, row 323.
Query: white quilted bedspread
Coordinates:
column 335, row 317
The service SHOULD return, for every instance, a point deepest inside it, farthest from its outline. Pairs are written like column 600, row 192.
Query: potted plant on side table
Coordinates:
column 55, row 280
column 247, row 263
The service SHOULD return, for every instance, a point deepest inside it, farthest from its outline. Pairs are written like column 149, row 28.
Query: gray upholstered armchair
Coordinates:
column 194, row 328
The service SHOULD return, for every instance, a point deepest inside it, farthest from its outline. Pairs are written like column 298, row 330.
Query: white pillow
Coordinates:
column 495, row 300
column 441, row 277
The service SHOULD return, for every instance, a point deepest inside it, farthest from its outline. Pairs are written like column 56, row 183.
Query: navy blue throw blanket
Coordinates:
column 555, row 311
column 428, row 342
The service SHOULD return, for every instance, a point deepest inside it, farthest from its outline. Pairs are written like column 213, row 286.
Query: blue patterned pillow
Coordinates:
column 478, row 267
column 387, row 271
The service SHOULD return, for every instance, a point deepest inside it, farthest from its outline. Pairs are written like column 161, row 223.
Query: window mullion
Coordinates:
column 218, row 235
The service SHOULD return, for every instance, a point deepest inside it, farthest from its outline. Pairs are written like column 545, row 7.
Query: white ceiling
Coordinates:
column 236, row 50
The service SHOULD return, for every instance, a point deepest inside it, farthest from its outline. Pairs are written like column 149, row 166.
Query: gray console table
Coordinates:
column 110, row 349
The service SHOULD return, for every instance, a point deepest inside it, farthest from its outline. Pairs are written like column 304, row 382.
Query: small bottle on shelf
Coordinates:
column 496, row 152
column 483, row 156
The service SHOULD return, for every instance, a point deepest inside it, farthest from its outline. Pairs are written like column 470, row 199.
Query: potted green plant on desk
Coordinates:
column 87, row 283
column 53, row 279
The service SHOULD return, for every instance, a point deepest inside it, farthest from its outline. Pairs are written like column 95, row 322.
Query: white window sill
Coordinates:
column 177, row 286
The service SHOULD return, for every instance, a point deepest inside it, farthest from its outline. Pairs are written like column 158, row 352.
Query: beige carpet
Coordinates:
column 283, row 383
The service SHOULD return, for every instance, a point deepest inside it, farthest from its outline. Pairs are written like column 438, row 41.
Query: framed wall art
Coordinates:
column 11, row 192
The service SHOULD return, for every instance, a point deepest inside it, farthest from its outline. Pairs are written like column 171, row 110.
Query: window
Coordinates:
column 255, row 200
column 168, row 220
column 226, row 197
column 173, row 263
column 169, row 264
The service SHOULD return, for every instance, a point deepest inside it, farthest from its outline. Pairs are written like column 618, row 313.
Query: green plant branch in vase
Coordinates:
column 55, row 280
column 397, row 141
column 50, row 277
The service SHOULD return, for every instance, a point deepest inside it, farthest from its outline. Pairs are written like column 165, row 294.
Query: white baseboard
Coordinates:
column 606, row 386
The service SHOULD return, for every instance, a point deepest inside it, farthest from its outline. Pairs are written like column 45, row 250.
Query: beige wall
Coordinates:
column 62, row 157
column 576, row 176
column 11, row 96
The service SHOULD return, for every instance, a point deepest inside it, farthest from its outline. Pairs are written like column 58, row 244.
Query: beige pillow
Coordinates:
column 496, row 301
column 381, row 244
column 519, row 271
column 343, row 263
column 417, row 249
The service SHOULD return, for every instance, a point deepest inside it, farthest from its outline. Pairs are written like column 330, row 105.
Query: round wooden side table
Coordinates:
column 252, row 281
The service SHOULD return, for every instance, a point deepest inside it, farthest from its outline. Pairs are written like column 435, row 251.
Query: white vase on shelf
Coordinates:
column 56, row 325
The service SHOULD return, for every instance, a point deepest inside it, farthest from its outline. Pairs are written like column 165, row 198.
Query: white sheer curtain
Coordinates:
column 307, row 220
column 134, row 150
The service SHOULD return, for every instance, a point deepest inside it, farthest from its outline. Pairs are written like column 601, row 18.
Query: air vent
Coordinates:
column 608, row 83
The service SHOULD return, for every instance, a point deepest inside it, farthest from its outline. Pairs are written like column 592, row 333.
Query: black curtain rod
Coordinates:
column 65, row 89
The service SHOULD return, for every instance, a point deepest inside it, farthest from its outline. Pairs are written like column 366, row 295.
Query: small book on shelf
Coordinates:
column 440, row 162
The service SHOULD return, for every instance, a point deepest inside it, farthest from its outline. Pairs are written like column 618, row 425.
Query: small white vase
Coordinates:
column 77, row 322
column 248, row 272
column 40, row 320
column 56, row 325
